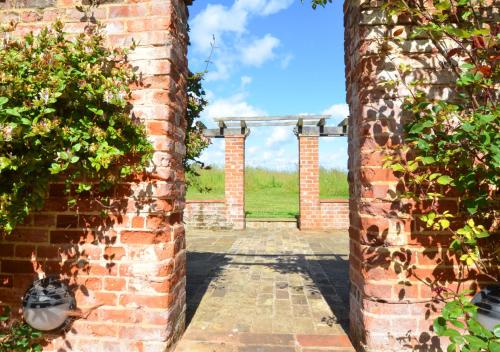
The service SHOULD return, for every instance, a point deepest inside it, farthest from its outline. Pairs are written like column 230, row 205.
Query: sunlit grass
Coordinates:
column 269, row 194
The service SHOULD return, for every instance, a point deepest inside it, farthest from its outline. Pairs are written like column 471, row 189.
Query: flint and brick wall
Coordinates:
column 391, row 309
column 206, row 214
column 334, row 214
column 127, row 271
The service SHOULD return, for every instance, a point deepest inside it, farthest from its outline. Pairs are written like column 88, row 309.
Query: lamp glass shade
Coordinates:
column 47, row 303
column 46, row 319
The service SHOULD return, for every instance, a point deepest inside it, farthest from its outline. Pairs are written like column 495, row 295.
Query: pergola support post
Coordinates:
column 309, row 203
column 235, row 180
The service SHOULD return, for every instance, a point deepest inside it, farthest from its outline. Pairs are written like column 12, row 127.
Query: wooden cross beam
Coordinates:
column 344, row 124
column 273, row 118
column 223, row 132
column 320, row 131
column 269, row 124
column 307, row 125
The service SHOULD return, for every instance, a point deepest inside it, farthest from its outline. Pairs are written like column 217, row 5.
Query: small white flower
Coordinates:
column 108, row 96
column 7, row 132
column 44, row 96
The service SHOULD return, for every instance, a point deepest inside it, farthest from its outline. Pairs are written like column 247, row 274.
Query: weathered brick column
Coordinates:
column 309, row 202
column 393, row 257
column 384, row 315
column 235, row 180
column 128, row 270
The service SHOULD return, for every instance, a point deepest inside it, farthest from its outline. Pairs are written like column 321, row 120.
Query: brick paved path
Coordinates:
column 261, row 290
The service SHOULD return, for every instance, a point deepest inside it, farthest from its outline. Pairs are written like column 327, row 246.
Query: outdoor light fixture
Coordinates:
column 47, row 304
column 488, row 302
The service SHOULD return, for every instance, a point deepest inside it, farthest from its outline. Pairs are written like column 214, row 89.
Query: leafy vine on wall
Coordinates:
column 64, row 117
column 451, row 148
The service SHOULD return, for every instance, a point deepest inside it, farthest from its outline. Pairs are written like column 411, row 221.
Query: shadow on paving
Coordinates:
column 330, row 276
column 202, row 268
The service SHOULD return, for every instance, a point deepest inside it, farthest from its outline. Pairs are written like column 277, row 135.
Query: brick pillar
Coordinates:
column 128, row 270
column 235, row 180
column 391, row 307
column 384, row 315
column 309, row 203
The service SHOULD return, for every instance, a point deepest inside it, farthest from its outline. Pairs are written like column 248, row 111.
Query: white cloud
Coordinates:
column 285, row 61
column 221, row 68
column 234, row 44
column 216, row 20
column 233, row 106
column 337, row 111
column 333, row 155
column 260, row 51
column 278, row 159
column 262, row 7
column 215, row 154
column 274, row 6
column 279, row 135
column 245, row 81
column 253, row 149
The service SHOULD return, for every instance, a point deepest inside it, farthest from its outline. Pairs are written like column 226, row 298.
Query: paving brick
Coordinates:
column 248, row 288
column 324, row 341
column 267, row 339
column 266, row 349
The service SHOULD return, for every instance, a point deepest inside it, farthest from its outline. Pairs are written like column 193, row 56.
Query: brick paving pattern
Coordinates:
column 266, row 290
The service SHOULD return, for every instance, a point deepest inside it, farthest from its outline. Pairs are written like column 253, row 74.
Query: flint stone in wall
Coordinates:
column 39, row 4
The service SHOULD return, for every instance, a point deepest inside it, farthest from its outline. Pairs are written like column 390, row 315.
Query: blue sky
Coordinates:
column 272, row 57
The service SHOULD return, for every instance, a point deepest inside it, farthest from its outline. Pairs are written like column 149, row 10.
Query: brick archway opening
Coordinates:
column 308, row 129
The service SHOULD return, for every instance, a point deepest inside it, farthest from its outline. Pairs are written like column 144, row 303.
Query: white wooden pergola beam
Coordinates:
column 273, row 118
column 305, row 125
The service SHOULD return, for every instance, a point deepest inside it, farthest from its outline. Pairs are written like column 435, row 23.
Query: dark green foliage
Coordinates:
column 322, row 3
column 452, row 147
column 16, row 336
column 458, row 321
column 195, row 141
column 64, row 116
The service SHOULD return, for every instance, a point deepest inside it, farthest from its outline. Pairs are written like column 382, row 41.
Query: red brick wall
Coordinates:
column 310, row 209
column 208, row 214
column 391, row 309
column 334, row 214
column 235, row 181
column 127, row 271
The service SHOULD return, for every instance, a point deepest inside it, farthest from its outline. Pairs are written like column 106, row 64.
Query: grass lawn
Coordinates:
column 269, row 194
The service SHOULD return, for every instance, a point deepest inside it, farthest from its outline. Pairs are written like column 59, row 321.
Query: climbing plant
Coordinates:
column 452, row 148
column 195, row 141
column 64, row 116
column 17, row 336
column 322, row 3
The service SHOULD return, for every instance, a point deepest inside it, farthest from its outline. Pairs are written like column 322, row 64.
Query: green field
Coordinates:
column 269, row 194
